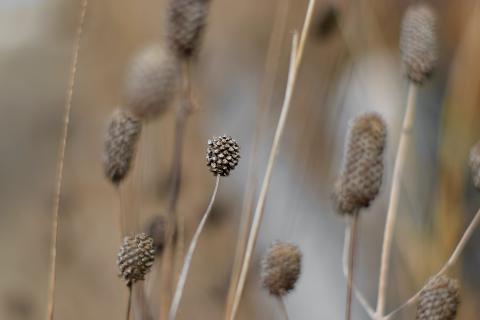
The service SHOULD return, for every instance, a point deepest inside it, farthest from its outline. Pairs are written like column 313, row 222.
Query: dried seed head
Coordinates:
column 361, row 176
column 281, row 268
column 120, row 144
column 418, row 42
column 186, row 21
column 135, row 258
column 223, row 154
column 327, row 21
column 439, row 300
column 475, row 165
column 151, row 82
column 157, row 229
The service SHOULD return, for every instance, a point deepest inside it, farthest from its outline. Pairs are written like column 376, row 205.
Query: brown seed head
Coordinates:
column 157, row 229
column 475, row 164
column 418, row 42
column 135, row 258
column 439, row 300
column 281, row 268
column 223, row 154
column 327, row 21
column 361, row 176
column 120, row 143
column 151, row 82
column 186, row 21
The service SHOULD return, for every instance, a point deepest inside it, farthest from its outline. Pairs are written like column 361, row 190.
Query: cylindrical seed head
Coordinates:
column 135, row 258
column 439, row 300
column 186, row 21
column 281, row 268
column 151, row 82
column 475, row 164
column 418, row 42
column 362, row 172
column 223, row 154
column 121, row 139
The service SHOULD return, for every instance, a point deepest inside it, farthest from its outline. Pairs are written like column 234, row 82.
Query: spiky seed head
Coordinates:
column 418, row 42
column 121, row 139
column 362, row 172
column 157, row 229
column 186, row 22
column 281, row 268
column 223, row 154
column 475, row 164
column 439, row 299
column 135, row 258
column 151, row 81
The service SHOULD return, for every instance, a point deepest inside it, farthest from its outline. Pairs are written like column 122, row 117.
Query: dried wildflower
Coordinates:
column 120, row 144
column 135, row 258
column 361, row 177
column 157, row 229
column 150, row 82
column 475, row 164
column 223, row 154
column 418, row 42
column 186, row 21
column 281, row 268
column 439, row 299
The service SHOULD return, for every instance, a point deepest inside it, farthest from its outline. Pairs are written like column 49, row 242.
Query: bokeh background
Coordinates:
column 350, row 68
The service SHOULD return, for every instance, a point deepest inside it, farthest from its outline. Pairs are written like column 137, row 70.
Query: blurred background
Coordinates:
column 351, row 65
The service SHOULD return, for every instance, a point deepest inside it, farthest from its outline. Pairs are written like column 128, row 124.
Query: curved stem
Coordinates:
column 60, row 164
column 351, row 261
column 188, row 258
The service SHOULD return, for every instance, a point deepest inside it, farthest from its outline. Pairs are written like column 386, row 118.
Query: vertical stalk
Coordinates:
column 283, row 307
column 351, row 262
column 129, row 303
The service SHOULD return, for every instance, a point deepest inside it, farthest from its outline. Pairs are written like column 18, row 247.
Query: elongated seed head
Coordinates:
column 475, row 164
column 361, row 176
column 135, row 258
column 439, row 299
column 186, row 22
column 223, row 154
column 151, row 82
column 120, row 144
column 281, row 268
column 418, row 42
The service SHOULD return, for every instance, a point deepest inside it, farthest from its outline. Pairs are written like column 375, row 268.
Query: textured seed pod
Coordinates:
column 418, row 42
column 157, row 229
column 439, row 300
column 120, row 144
column 186, row 21
column 475, row 165
column 151, row 82
column 223, row 154
column 362, row 172
column 281, row 268
column 135, row 258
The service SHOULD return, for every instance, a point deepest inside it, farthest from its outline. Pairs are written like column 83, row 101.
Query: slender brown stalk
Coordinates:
column 283, row 307
column 351, row 261
column 129, row 303
column 60, row 164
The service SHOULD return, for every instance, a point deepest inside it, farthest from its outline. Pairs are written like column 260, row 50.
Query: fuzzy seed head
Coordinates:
column 475, row 165
column 439, row 300
column 151, row 82
column 361, row 176
column 120, row 144
column 135, row 258
column 418, row 42
column 281, row 268
column 186, row 22
column 223, row 154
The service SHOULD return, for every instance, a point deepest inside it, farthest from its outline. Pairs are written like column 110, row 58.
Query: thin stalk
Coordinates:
column 188, row 258
column 394, row 198
column 283, row 307
column 60, row 163
column 129, row 303
column 351, row 261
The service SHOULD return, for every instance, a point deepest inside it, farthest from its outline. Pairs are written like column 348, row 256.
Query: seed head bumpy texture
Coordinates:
column 121, row 139
column 223, row 154
column 135, row 258
column 418, row 42
column 439, row 300
column 281, row 268
column 475, row 164
column 151, row 82
column 186, row 22
column 361, row 176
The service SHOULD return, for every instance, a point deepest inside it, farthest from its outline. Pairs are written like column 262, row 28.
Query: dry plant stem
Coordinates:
column 264, row 102
column 188, row 258
column 351, row 260
column 129, row 303
column 283, row 307
column 60, row 163
column 394, row 198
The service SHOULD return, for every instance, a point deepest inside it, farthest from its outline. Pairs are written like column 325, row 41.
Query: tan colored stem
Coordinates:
column 351, row 261
column 129, row 302
column 60, row 164
column 283, row 307
column 394, row 198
